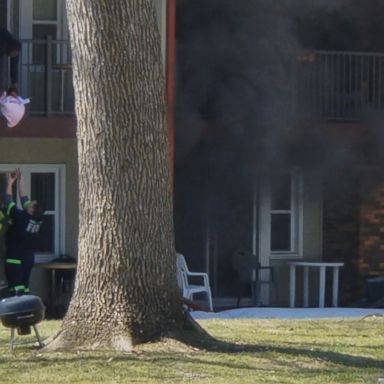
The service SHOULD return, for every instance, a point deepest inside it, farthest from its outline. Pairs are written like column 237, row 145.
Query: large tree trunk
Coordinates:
column 126, row 290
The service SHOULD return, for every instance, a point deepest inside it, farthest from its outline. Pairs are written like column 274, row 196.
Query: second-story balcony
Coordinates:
column 338, row 86
column 45, row 75
column 341, row 86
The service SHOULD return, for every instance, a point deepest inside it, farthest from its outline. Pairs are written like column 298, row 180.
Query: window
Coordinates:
column 44, row 23
column 45, row 10
column 44, row 183
column 285, row 216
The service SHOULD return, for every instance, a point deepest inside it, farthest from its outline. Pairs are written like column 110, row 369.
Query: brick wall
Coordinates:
column 353, row 228
column 341, row 226
column 371, row 239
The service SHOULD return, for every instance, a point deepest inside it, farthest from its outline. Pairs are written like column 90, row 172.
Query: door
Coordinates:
column 280, row 219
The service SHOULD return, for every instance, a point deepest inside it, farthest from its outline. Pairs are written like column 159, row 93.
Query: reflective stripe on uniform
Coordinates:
column 13, row 261
column 26, row 290
column 10, row 206
column 19, row 287
column 25, row 205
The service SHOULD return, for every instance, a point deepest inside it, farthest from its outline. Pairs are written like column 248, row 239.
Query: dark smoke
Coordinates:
column 354, row 25
column 235, row 67
column 237, row 72
column 239, row 105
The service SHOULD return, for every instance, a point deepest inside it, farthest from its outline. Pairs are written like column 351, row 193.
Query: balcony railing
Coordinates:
column 341, row 85
column 331, row 85
column 45, row 75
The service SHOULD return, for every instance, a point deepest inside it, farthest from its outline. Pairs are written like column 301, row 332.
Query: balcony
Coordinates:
column 336, row 86
column 341, row 86
column 45, row 75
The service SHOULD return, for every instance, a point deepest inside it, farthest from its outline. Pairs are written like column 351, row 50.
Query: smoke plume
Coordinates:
column 237, row 71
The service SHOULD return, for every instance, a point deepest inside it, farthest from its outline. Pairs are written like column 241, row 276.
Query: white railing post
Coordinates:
column 48, row 76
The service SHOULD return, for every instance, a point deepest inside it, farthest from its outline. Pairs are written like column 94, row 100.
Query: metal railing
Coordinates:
column 341, row 85
column 331, row 85
column 45, row 75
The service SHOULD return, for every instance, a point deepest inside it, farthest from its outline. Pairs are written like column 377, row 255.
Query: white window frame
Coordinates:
column 59, row 171
column 296, row 211
column 27, row 22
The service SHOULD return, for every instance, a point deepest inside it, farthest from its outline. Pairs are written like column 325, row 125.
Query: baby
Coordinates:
column 12, row 106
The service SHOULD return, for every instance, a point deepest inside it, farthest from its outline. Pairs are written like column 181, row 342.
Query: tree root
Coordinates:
column 193, row 334
column 190, row 333
column 66, row 341
column 122, row 344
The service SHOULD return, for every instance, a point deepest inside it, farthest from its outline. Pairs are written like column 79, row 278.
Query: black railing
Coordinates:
column 341, row 85
column 45, row 75
column 331, row 85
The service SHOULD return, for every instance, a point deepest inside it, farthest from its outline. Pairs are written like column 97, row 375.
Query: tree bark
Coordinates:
column 126, row 290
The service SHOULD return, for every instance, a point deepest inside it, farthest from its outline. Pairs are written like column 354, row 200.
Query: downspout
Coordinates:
column 255, row 220
column 255, row 237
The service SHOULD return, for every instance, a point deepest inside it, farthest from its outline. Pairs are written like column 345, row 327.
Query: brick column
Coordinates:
column 341, row 230
column 371, row 252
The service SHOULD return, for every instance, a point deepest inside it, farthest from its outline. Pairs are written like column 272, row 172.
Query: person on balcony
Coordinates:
column 12, row 107
column 9, row 47
column 21, row 236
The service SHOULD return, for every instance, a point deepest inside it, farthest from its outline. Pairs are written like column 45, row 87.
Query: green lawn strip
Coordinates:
column 250, row 351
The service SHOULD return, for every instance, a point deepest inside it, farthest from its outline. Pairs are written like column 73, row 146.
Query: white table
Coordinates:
column 322, row 269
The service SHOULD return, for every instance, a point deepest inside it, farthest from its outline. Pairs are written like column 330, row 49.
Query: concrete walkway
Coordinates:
column 290, row 313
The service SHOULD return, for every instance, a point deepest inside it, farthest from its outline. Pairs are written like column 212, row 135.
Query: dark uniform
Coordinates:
column 4, row 222
column 20, row 245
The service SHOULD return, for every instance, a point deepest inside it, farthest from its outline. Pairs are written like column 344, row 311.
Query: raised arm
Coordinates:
column 22, row 191
column 11, row 178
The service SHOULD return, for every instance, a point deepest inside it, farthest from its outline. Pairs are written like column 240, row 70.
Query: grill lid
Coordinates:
column 20, row 304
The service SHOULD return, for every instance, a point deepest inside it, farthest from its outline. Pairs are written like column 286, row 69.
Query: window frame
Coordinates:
column 27, row 21
column 290, row 212
column 59, row 170
column 265, row 219
column 296, row 212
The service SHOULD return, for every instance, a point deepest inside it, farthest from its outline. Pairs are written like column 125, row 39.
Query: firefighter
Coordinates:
column 4, row 222
column 21, row 236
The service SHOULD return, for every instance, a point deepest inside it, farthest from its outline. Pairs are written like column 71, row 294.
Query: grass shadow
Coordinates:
column 198, row 337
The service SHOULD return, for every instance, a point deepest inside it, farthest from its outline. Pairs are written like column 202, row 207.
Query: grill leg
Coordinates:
column 12, row 339
column 38, row 337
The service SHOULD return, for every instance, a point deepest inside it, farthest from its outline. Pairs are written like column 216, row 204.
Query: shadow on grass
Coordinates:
column 214, row 347
column 195, row 336
column 172, row 361
column 210, row 344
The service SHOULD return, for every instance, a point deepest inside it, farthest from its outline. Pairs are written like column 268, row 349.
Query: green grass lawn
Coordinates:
column 252, row 351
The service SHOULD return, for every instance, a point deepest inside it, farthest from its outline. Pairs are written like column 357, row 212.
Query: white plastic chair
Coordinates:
column 187, row 289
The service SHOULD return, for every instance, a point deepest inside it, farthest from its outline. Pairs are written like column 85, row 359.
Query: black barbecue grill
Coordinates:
column 21, row 313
